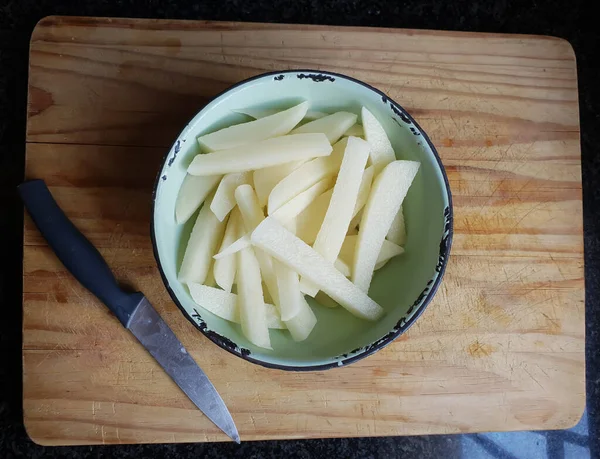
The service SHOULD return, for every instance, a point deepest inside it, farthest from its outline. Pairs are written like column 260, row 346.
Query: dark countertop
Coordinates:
column 562, row 18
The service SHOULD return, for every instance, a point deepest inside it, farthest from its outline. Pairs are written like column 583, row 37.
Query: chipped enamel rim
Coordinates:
column 419, row 305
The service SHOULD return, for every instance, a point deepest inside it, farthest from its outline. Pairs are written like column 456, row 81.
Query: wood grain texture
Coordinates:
column 500, row 348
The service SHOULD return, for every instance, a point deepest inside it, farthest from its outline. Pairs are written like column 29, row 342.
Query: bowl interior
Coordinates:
column 402, row 287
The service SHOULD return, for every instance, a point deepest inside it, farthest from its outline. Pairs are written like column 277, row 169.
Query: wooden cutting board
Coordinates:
column 500, row 348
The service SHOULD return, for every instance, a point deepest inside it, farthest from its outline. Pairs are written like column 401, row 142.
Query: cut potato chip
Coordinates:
column 382, row 152
column 266, row 179
column 266, row 153
column 252, row 310
column 192, row 194
column 387, row 193
column 278, row 242
column 205, row 237
column 288, row 286
column 225, row 305
column 225, row 266
column 397, row 232
column 306, row 176
column 286, row 213
column 333, row 126
column 237, row 135
column 224, row 199
column 303, row 323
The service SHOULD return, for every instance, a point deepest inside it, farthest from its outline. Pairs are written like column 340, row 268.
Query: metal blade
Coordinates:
column 163, row 345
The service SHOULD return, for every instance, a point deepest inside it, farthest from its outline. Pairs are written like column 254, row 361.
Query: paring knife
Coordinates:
column 134, row 311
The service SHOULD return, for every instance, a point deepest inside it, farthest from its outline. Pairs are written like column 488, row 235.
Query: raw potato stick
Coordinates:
column 343, row 201
column 387, row 193
column 288, row 286
column 382, row 152
column 224, row 267
column 257, row 113
column 254, row 131
column 192, row 194
column 234, row 247
column 247, row 202
column 252, row 310
column 224, row 199
column 205, row 237
column 302, row 324
column 252, row 215
column 266, row 153
column 308, row 288
column 225, row 305
column 278, row 242
column 333, row 126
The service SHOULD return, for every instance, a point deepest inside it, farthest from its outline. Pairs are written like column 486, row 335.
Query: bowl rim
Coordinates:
column 403, row 325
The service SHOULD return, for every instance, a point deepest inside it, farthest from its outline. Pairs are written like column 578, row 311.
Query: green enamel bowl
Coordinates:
column 403, row 287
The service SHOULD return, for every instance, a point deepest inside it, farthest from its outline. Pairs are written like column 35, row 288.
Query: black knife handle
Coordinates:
column 73, row 249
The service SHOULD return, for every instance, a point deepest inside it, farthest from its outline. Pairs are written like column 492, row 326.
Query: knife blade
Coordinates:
column 134, row 311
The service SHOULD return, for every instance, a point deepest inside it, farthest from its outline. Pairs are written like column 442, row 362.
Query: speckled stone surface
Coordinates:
column 572, row 20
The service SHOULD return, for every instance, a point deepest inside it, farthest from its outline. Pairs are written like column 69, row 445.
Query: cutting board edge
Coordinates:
column 227, row 25
column 221, row 439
